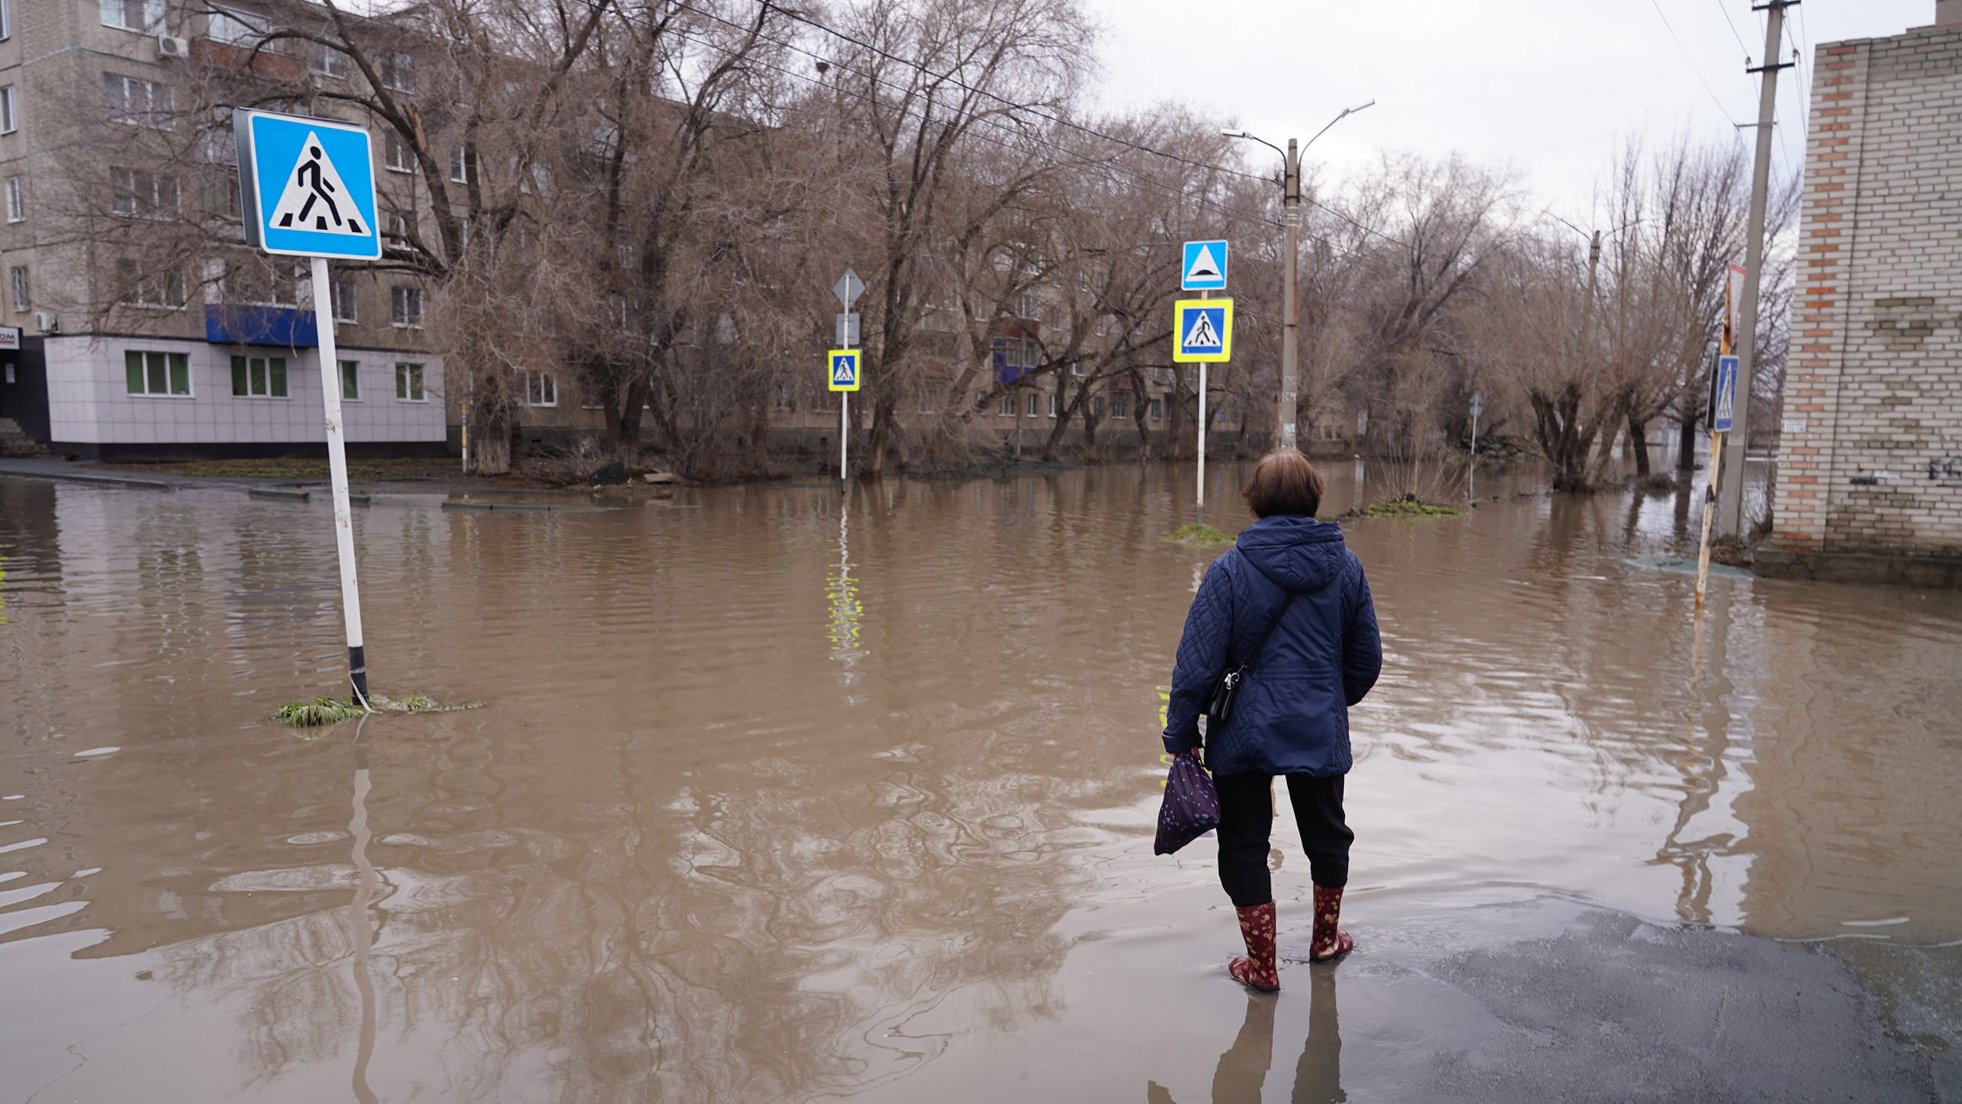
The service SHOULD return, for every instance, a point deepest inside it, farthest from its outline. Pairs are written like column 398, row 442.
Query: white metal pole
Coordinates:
column 330, row 393
column 844, row 432
column 1202, row 439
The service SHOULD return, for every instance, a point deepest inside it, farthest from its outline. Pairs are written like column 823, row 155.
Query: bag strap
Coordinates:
column 1241, row 667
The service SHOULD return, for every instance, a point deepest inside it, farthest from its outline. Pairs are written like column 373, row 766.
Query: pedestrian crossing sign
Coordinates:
column 306, row 186
column 1723, row 395
column 844, row 369
column 1203, row 329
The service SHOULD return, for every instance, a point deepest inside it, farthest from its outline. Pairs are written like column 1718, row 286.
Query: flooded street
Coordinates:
column 774, row 801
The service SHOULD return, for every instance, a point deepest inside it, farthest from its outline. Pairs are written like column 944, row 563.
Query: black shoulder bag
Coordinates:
column 1219, row 703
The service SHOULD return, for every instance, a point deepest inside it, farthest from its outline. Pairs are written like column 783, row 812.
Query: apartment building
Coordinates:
column 144, row 335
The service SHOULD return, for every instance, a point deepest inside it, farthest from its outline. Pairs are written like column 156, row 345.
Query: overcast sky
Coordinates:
column 1547, row 87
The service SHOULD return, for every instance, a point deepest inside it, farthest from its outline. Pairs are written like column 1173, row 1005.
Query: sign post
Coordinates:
column 842, row 369
column 1723, row 403
column 307, row 188
column 1202, row 268
column 1471, row 474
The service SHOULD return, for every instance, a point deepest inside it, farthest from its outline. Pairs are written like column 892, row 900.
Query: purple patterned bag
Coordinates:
column 1191, row 806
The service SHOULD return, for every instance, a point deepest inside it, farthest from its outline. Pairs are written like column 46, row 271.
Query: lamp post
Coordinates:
column 1285, row 403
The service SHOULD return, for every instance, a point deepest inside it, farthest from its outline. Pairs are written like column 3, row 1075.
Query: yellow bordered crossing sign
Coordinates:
column 843, row 373
column 1202, row 331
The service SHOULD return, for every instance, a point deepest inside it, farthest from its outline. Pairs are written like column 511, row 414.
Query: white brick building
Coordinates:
column 1870, row 458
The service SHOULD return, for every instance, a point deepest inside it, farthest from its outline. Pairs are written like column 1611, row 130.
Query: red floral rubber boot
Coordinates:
column 1329, row 942
column 1255, row 969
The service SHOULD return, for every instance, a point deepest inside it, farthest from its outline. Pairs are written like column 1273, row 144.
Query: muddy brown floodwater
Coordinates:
column 778, row 800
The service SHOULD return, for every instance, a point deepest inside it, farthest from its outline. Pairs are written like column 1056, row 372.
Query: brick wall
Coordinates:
column 1870, row 458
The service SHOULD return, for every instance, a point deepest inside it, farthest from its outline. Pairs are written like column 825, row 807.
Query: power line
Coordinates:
column 1733, row 29
column 1698, row 73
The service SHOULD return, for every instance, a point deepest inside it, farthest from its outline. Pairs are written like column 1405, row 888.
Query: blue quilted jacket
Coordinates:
column 1291, row 714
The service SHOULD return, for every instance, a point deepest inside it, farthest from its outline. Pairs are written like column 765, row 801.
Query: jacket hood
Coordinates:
column 1298, row 553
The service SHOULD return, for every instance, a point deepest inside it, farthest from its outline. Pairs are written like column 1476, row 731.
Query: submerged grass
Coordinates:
column 1199, row 533
column 332, row 711
column 1406, row 508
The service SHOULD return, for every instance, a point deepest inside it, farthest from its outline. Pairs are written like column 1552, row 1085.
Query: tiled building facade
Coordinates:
column 191, row 359
column 1869, row 477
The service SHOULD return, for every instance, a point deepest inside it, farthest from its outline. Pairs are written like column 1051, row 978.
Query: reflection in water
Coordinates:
column 359, row 924
column 1243, row 1067
column 672, row 861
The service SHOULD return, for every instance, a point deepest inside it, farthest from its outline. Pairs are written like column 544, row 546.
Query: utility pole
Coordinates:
column 1286, row 408
column 1730, row 494
column 1285, row 404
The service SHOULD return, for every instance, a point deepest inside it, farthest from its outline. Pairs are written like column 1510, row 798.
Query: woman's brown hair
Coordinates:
column 1284, row 482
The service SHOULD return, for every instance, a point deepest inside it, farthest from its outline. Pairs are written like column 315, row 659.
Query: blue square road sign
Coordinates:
column 1723, row 394
column 307, row 185
column 1204, row 266
column 1203, row 329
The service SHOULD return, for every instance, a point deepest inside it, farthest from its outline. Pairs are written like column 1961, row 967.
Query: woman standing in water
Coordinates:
column 1291, row 591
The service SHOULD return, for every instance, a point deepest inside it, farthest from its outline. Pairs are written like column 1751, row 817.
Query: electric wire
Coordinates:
column 1694, row 71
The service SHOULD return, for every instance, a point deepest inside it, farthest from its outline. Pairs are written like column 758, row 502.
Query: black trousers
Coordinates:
column 1246, row 818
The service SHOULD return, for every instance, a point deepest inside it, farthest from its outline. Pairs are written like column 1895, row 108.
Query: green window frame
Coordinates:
column 151, row 372
column 256, row 377
column 350, row 380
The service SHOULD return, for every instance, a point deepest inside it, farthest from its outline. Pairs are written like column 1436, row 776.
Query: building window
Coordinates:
column 408, row 383
column 148, row 372
column 1076, row 368
column 259, row 377
column 137, row 102
column 133, row 15
column 325, row 60
column 1120, row 406
column 1157, row 410
column 350, row 380
column 1052, row 406
column 541, row 389
column 395, row 153
column 1097, row 406
column 398, row 231
column 398, row 72
column 135, row 192
column 140, row 290
column 16, row 196
column 405, row 307
column 1035, row 405
column 9, row 109
column 17, row 283
column 6, row 25
column 459, row 165
column 1007, row 407
column 233, row 29
column 218, row 194
column 341, row 292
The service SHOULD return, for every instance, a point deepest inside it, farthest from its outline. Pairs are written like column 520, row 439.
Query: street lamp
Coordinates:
column 1284, row 408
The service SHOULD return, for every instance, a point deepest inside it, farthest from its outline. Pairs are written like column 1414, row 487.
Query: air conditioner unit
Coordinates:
column 168, row 47
column 46, row 322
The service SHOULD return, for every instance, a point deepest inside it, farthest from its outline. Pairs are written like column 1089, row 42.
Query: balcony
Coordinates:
column 265, row 64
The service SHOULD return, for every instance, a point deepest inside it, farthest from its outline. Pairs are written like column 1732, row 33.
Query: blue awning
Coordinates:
column 233, row 324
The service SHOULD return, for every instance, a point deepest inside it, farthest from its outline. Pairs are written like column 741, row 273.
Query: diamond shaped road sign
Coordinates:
column 848, row 288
